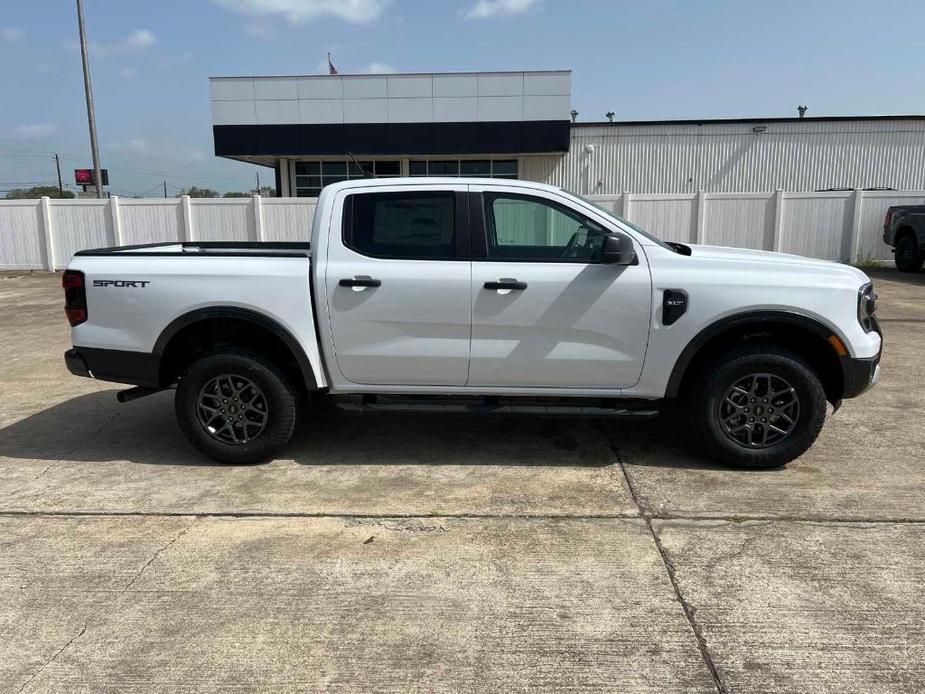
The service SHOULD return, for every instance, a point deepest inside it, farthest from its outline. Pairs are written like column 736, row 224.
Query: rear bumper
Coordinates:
column 76, row 364
column 119, row 366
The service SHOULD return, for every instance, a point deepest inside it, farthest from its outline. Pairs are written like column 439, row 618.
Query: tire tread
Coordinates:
column 710, row 440
column 271, row 440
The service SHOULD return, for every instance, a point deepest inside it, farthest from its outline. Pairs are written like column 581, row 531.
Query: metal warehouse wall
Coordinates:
column 802, row 155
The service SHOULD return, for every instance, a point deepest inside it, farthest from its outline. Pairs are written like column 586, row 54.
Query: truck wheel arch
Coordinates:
column 203, row 317
column 806, row 335
column 908, row 230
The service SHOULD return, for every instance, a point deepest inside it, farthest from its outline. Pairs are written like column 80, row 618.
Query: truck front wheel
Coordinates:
column 236, row 406
column 758, row 406
column 907, row 255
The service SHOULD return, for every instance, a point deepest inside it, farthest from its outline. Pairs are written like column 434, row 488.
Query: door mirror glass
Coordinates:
column 617, row 249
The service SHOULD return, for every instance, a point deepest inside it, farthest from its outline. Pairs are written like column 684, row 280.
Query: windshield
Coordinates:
column 620, row 219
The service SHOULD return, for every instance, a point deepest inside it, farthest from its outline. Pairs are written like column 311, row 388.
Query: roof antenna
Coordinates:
column 366, row 174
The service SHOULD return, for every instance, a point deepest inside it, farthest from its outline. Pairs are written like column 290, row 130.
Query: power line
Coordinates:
column 143, row 172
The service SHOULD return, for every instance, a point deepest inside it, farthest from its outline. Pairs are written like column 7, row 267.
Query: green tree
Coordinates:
column 195, row 192
column 37, row 192
column 265, row 191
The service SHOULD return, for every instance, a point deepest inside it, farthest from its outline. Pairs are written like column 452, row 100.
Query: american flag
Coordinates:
column 331, row 69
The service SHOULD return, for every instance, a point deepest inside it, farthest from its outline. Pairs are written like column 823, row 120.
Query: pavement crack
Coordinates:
column 156, row 554
column 41, row 474
column 96, row 612
column 53, row 658
column 735, row 554
column 670, row 569
column 309, row 514
column 657, row 515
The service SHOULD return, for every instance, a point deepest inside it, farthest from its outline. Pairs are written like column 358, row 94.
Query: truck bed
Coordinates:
column 279, row 249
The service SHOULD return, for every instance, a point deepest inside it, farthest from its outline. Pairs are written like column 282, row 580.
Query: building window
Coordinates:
column 312, row 176
column 485, row 168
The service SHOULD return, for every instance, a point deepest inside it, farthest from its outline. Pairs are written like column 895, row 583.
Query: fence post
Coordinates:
column 258, row 217
column 48, row 234
column 777, row 232
column 116, row 221
column 627, row 205
column 854, row 242
column 697, row 231
column 186, row 234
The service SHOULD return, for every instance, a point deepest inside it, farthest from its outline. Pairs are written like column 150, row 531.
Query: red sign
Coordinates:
column 84, row 177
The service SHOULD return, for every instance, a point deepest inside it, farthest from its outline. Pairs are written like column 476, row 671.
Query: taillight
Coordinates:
column 75, row 296
column 888, row 219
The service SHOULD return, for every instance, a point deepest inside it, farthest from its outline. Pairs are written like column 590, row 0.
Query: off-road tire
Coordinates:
column 908, row 256
column 280, row 405
column 715, row 380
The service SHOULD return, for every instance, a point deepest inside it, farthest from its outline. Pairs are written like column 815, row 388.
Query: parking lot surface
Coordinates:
column 422, row 554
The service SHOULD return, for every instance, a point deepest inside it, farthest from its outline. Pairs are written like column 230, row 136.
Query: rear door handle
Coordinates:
column 359, row 282
column 506, row 284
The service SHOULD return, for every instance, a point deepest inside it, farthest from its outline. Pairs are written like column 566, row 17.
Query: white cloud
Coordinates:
column 195, row 155
column 135, row 145
column 35, row 130
column 378, row 69
column 128, row 72
column 10, row 34
column 486, row 9
column 45, row 68
column 295, row 11
column 259, row 29
column 137, row 40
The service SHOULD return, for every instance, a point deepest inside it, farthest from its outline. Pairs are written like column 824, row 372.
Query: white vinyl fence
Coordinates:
column 845, row 226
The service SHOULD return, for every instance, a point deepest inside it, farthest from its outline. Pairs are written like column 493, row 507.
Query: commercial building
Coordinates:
column 318, row 129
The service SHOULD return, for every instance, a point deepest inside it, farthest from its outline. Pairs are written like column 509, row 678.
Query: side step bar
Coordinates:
column 493, row 405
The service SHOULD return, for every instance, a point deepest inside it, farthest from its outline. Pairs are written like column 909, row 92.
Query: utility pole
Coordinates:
column 258, row 183
column 91, row 115
column 165, row 189
column 58, row 166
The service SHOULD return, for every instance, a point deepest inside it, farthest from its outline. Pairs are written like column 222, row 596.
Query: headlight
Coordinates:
column 867, row 307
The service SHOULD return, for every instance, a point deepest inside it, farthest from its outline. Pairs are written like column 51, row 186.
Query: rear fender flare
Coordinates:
column 259, row 319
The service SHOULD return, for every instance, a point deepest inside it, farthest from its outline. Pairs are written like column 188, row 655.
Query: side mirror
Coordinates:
column 617, row 249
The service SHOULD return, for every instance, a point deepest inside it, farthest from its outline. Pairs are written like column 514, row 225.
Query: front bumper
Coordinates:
column 860, row 375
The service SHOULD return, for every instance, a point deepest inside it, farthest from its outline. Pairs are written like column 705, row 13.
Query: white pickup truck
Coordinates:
column 476, row 296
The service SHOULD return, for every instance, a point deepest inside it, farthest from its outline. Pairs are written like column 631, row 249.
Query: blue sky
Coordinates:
column 643, row 60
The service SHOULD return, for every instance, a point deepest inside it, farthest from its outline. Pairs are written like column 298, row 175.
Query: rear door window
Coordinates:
column 414, row 225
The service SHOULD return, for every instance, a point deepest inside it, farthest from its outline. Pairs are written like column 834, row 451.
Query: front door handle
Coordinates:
column 506, row 284
column 359, row 282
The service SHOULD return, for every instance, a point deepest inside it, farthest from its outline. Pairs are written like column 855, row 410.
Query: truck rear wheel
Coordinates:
column 236, row 406
column 907, row 255
column 758, row 406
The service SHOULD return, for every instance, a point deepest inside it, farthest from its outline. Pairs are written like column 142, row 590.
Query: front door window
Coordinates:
column 524, row 228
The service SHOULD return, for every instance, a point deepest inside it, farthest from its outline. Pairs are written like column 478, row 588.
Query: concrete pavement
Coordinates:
column 442, row 554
